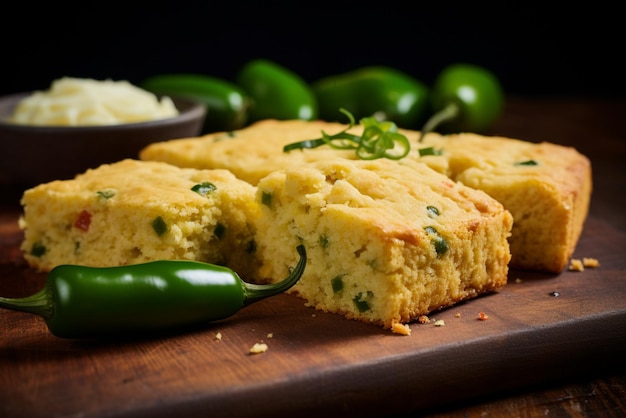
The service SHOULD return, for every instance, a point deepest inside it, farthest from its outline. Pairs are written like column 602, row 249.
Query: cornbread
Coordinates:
column 546, row 187
column 136, row 211
column 386, row 242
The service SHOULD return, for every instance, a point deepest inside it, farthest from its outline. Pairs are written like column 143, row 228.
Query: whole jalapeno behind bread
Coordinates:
column 91, row 302
column 276, row 92
column 227, row 104
column 465, row 98
column 379, row 91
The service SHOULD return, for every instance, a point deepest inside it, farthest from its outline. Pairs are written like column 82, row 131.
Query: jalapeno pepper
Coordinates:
column 90, row 302
column 465, row 98
column 276, row 92
column 227, row 104
column 379, row 91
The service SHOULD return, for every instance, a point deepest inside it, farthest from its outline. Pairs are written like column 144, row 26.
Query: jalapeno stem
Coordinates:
column 449, row 112
column 255, row 292
column 39, row 303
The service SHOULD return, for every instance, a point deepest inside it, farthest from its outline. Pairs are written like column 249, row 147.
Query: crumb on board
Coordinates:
column 440, row 323
column 591, row 262
column 458, row 314
column 270, row 335
column 218, row 336
column 402, row 329
column 577, row 264
column 518, row 280
column 423, row 319
column 483, row 316
column 258, row 348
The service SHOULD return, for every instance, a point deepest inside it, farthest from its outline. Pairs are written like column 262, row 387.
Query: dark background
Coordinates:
column 536, row 50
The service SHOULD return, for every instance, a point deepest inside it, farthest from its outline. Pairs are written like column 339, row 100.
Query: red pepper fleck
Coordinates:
column 83, row 221
column 483, row 316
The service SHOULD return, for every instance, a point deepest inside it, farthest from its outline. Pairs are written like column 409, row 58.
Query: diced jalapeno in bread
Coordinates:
column 159, row 226
column 204, row 188
column 441, row 245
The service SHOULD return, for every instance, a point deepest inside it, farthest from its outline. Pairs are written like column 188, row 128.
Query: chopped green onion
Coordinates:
column 378, row 140
column 429, row 151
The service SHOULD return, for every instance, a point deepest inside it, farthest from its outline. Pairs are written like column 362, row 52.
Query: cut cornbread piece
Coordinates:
column 136, row 211
column 386, row 241
column 547, row 187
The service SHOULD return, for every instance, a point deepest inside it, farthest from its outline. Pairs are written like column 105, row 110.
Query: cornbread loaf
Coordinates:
column 386, row 241
column 547, row 187
column 136, row 211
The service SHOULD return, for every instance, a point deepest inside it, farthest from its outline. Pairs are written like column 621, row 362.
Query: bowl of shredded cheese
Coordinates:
column 81, row 123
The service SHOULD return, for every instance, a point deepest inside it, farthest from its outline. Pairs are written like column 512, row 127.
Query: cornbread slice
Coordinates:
column 136, row 211
column 549, row 200
column 386, row 241
column 546, row 187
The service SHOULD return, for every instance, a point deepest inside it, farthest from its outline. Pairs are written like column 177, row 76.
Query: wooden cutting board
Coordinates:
column 540, row 327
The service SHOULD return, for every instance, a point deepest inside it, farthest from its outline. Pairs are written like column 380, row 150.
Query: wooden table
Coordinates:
column 536, row 355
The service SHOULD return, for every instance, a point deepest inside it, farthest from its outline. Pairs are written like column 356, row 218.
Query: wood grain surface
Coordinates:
column 321, row 363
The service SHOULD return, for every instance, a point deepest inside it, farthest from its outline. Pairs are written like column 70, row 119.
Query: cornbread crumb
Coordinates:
column 258, row 348
column 423, row 319
column 483, row 316
column 440, row 323
column 218, row 336
column 590, row 262
column 402, row 329
column 270, row 335
column 458, row 315
column 576, row 265
column 518, row 280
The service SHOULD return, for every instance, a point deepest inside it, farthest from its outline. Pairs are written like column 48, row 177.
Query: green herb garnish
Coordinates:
column 380, row 139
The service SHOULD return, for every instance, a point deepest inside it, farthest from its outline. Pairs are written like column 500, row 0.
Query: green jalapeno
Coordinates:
column 465, row 98
column 91, row 302
column 379, row 91
column 227, row 104
column 276, row 92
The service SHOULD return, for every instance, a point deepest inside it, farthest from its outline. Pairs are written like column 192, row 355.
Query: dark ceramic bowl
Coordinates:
column 30, row 155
